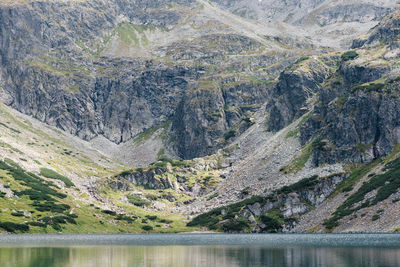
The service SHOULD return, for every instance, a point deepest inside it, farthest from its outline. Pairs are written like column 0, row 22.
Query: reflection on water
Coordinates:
column 176, row 256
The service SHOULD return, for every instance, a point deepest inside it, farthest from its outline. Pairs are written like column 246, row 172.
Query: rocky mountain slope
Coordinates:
column 148, row 113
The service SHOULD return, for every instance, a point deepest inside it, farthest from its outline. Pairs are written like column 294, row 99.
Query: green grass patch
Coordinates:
column 138, row 201
column 54, row 175
column 299, row 162
column 369, row 87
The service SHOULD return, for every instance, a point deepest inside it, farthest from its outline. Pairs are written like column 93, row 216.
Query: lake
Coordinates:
column 177, row 250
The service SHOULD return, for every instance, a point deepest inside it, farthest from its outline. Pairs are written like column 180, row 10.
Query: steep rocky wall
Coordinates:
column 53, row 68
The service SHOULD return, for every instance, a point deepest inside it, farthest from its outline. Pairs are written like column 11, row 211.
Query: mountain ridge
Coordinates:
column 184, row 107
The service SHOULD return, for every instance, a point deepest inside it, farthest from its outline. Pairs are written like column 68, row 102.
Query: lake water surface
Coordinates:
column 208, row 250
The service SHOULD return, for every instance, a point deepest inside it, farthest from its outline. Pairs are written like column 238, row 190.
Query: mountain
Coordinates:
column 141, row 115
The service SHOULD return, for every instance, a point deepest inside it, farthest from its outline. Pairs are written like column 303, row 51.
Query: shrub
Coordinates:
column 151, row 217
column 51, row 206
column 230, row 134
column 54, row 175
column 210, row 219
column 147, row 227
column 347, row 189
column 236, row 225
column 245, row 191
column 123, row 217
column 13, row 227
column 12, row 163
column 137, row 201
column 303, row 184
column 349, row 55
column 303, row 58
column 109, row 212
column 375, row 217
column 165, row 221
column 272, row 225
column 17, row 214
column 213, row 196
column 38, row 224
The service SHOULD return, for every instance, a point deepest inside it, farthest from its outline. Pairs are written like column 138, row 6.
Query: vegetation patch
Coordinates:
column 147, row 228
column 137, row 200
column 272, row 225
column 109, row 212
column 307, row 183
column 230, row 134
column 299, row 162
column 14, row 227
column 211, row 218
column 212, row 196
column 54, row 175
column 237, row 225
column 349, row 55
column 386, row 184
column 369, row 87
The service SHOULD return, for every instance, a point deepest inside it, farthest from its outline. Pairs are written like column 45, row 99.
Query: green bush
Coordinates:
column 147, row 227
column 230, row 134
column 213, row 196
column 38, row 224
column 54, row 175
column 245, row 191
column 303, row 58
column 303, row 184
column 272, row 225
column 51, row 206
column 349, row 55
column 347, row 189
column 123, row 217
column 12, row 163
column 109, row 212
column 210, row 219
column 375, row 217
column 165, row 221
column 14, row 227
column 17, row 214
column 151, row 217
column 236, row 225
column 137, row 200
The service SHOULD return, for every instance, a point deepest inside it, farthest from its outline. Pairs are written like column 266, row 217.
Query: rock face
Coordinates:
column 118, row 68
column 276, row 212
column 387, row 31
column 148, row 178
column 347, row 19
column 355, row 116
column 296, row 86
column 294, row 12
column 107, row 73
